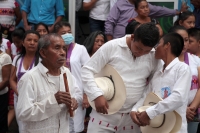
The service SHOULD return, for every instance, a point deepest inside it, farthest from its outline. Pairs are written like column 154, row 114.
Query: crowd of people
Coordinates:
column 52, row 84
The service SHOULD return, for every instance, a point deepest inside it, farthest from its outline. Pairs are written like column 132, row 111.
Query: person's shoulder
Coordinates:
column 193, row 58
column 16, row 57
column 31, row 74
column 79, row 46
column 182, row 66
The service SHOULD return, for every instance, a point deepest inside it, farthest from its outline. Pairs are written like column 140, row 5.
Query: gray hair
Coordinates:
column 45, row 41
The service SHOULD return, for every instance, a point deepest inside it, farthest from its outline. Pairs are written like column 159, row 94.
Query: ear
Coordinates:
column 180, row 22
column 198, row 43
column 132, row 37
column 167, row 46
column 43, row 53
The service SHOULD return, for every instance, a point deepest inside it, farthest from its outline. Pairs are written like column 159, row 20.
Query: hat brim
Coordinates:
column 173, row 120
column 120, row 90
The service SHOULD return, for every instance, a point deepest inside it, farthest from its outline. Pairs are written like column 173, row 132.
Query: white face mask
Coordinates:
column 68, row 38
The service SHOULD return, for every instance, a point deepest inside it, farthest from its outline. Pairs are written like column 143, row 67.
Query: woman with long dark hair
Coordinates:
column 25, row 61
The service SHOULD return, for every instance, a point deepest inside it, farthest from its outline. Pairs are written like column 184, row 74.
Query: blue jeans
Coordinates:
column 96, row 25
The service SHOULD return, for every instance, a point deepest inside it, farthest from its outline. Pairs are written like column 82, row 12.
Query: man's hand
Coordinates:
column 51, row 28
column 85, row 101
column 184, row 7
column 74, row 104
column 143, row 118
column 63, row 97
column 27, row 27
column 101, row 105
column 190, row 113
column 135, row 118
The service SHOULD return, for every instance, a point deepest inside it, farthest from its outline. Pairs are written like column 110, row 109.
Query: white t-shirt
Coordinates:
column 14, row 51
column 194, row 63
column 100, row 10
column 55, row 80
column 4, row 60
column 5, row 44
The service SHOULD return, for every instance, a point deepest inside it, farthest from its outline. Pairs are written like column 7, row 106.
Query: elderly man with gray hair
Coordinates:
column 43, row 102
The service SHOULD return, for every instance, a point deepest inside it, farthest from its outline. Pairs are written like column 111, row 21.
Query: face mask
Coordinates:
column 68, row 38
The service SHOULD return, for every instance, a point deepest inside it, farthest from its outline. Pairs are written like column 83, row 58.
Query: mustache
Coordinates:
column 62, row 58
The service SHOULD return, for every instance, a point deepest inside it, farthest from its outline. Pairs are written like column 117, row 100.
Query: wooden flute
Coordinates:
column 67, row 90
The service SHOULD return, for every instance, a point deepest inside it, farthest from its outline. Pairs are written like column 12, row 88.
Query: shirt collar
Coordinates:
column 176, row 60
column 124, row 43
column 43, row 70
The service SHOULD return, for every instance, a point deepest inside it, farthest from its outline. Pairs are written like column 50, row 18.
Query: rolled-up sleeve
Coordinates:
column 112, row 20
column 159, row 11
column 26, row 6
column 59, row 8
column 93, row 66
column 28, row 109
column 177, row 98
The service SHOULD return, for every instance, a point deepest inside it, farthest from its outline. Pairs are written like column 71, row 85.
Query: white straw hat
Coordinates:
column 169, row 122
column 112, row 85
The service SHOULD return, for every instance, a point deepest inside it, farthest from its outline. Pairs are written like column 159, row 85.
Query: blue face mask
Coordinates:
column 68, row 38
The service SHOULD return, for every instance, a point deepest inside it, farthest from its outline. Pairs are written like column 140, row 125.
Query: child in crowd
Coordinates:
column 42, row 29
column 169, row 82
column 186, row 19
column 194, row 45
column 194, row 36
column 17, row 38
column 5, row 45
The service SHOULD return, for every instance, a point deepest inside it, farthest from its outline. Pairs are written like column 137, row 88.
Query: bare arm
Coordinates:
column 89, row 5
column 24, row 18
column 109, row 37
column 18, row 15
column 13, row 79
column 59, row 18
column 5, row 76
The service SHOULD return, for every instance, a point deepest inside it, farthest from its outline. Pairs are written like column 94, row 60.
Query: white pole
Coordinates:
column 72, row 15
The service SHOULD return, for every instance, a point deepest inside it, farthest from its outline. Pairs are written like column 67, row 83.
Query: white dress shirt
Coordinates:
column 37, row 107
column 100, row 10
column 176, row 80
column 134, row 72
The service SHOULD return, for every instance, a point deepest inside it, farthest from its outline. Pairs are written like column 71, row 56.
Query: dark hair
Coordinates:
column 1, row 35
column 183, row 16
column 148, row 34
column 137, row 2
column 19, row 33
column 177, row 28
column 194, row 32
column 176, row 41
column 132, row 25
column 45, row 26
column 23, row 50
column 89, row 41
column 60, row 24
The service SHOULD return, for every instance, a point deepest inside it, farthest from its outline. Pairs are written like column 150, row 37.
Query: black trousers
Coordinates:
column 4, row 113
